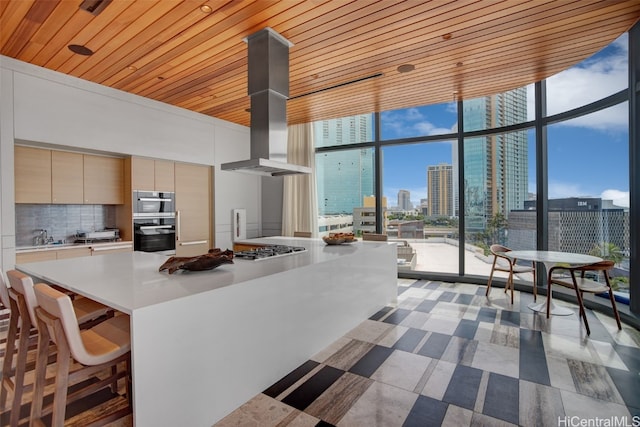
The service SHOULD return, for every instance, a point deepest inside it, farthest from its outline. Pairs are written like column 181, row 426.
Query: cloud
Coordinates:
column 411, row 122
column 427, row 128
column 413, row 114
column 595, row 78
column 561, row 190
column 620, row 198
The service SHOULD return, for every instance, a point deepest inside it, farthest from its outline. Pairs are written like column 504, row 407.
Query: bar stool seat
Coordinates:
column 102, row 346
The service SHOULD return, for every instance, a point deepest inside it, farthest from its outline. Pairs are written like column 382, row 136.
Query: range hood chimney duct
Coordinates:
column 269, row 90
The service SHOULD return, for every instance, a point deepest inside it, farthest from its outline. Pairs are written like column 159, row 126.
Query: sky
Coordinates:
column 588, row 156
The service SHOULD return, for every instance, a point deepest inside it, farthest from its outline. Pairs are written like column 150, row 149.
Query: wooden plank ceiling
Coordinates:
column 173, row 52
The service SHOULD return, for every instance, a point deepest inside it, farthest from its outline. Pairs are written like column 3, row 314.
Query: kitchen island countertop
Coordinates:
column 205, row 342
column 130, row 281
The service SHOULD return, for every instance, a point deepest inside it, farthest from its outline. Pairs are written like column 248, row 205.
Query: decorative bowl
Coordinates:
column 333, row 240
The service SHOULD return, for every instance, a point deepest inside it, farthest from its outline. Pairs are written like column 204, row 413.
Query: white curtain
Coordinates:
column 300, row 208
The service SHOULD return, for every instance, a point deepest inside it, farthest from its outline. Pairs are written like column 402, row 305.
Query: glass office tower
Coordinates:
column 495, row 167
column 344, row 178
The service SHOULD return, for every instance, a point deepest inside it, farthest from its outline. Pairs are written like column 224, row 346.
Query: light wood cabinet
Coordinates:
column 51, row 176
column 152, row 175
column 193, row 203
column 73, row 253
column 110, row 249
column 103, row 180
column 192, row 248
column 164, row 173
column 67, row 177
column 143, row 174
column 23, row 258
column 32, row 175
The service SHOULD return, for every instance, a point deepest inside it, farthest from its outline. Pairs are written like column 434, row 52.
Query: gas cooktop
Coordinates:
column 268, row 251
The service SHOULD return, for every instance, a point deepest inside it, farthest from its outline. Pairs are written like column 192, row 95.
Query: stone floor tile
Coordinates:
column 497, row 358
column 381, row 405
column 540, row 405
column 402, row 370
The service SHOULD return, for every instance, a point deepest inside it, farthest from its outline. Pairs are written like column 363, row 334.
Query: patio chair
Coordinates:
column 511, row 267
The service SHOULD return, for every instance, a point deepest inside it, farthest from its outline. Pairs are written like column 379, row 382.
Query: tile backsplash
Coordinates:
column 62, row 222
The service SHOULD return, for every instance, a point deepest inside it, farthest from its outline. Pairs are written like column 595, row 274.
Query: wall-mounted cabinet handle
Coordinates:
column 109, row 248
column 178, row 226
column 194, row 242
column 152, row 199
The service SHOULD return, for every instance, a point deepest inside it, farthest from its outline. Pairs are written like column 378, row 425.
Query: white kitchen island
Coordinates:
column 205, row 342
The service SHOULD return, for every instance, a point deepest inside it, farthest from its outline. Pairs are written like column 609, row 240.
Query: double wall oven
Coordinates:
column 154, row 222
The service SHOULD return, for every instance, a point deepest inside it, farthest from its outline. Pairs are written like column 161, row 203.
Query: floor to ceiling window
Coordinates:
column 421, row 166
column 499, row 196
column 589, row 188
column 420, row 188
column 345, row 178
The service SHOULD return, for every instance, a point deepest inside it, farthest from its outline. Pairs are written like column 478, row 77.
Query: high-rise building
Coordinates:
column 404, row 200
column 496, row 167
column 344, row 178
column 576, row 224
column 364, row 217
column 440, row 196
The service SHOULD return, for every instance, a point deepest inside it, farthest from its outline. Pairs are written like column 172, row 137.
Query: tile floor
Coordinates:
column 447, row 355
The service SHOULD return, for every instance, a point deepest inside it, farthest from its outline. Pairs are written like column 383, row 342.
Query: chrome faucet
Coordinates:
column 41, row 238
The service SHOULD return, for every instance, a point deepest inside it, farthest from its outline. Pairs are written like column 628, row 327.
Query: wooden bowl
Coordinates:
column 333, row 241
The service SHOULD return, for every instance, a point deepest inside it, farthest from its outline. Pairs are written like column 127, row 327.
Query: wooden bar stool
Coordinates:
column 10, row 346
column 22, row 319
column 102, row 346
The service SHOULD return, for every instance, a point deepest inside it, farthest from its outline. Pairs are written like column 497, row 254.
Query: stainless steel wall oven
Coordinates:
column 154, row 202
column 154, row 222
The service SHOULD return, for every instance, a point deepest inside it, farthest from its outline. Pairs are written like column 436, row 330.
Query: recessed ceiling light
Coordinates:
column 405, row 68
column 459, row 64
column 94, row 7
column 160, row 78
column 132, row 68
column 205, row 8
column 80, row 50
column 446, row 36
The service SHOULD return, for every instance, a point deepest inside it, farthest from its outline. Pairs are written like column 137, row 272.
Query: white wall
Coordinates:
column 7, row 209
column 231, row 189
column 42, row 106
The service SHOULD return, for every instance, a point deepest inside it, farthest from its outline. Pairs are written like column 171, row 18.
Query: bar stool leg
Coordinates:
column 40, row 372
column 63, row 362
column 21, row 363
column 12, row 336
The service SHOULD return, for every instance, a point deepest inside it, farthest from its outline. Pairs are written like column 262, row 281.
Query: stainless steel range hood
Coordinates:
column 269, row 90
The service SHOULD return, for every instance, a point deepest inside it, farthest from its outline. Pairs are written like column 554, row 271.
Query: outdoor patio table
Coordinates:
column 551, row 259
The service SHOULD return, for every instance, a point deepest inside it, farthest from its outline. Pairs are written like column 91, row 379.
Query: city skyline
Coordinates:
column 575, row 142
